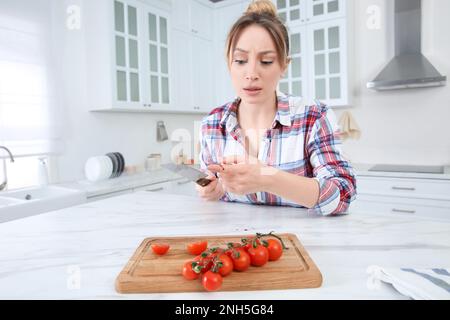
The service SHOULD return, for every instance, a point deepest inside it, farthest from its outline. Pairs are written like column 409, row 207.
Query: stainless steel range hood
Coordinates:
column 409, row 68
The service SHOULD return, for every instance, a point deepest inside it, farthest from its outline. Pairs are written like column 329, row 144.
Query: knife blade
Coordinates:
column 188, row 172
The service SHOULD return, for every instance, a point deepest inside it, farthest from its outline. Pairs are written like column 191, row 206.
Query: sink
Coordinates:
column 16, row 204
column 4, row 201
column 39, row 193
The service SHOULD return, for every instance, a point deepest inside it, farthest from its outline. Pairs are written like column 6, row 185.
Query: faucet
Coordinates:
column 5, row 183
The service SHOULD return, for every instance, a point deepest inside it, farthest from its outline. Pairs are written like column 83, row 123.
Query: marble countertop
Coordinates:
column 77, row 252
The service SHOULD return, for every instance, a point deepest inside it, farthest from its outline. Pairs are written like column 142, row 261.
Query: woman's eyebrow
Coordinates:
column 260, row 53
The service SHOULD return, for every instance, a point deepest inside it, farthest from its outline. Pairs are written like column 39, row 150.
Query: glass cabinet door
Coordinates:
column 127, row 66
column 321, row 10
column 295, row 80
column 295, row 12
column 328, row 60
column 292, row 12
column 158, row 57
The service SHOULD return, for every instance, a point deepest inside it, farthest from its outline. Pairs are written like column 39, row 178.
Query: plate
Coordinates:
column 115, row 164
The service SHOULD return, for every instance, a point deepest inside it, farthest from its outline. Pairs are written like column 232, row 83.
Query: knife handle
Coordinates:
column 203, row 182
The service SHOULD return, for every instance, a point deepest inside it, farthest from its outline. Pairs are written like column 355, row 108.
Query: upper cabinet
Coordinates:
column 294, row 12
column 321, row 10
column 128, row 54
column 328, row 71
column 157, row 42
column 193, row 66
column 127, row 42
column 225, row 14
column 193, row 16
column 194, row 73
column 320, row 43
column 169, row 56
column 296, row 77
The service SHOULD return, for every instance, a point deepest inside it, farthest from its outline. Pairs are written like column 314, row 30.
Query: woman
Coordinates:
column 266, row 147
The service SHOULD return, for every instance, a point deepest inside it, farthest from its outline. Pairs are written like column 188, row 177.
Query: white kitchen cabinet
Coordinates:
column 427, row 208
column 180, row 186
column 225, row 15
column 292, row 12
column 163, row 187
column 321, row 10
column 296, row 77
column 193, row 69
column 180, row 15
column 193, row 16
column 320, row 70
column 128, row 47
column 109, row 195
column 299, row 12
column 401, row 196
column 327, row 61
column 184, row 187
column 201, row 20
column 202, row 74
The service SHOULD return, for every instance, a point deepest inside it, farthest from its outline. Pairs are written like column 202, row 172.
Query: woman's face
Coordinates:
column 255, row 67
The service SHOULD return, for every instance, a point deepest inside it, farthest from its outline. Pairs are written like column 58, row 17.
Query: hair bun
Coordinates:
column 262, row 7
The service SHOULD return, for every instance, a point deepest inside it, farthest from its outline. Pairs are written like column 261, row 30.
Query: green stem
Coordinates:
column 271, row 234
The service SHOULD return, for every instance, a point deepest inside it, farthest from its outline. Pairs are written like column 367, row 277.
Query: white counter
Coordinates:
column 40, row 256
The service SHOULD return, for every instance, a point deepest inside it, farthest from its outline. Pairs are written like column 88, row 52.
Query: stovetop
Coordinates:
column 407, row 168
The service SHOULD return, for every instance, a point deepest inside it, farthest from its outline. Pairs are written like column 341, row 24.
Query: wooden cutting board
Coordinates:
column 147, row 272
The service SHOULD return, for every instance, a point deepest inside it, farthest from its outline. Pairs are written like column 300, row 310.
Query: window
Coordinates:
column 29, row 111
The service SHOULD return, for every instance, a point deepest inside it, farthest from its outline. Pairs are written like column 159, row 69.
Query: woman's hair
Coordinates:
column 262, row 13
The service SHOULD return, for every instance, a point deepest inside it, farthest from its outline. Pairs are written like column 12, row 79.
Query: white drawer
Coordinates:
column 184, row 187
column 158, row 187
column 402, row 206
column 108, row 195
column 414, row 188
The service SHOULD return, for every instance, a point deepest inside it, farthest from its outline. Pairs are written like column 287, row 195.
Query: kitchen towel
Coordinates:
column 349, row 127
column 418, row 284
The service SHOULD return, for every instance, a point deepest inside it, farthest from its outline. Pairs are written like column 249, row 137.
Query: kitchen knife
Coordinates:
column 189, row 172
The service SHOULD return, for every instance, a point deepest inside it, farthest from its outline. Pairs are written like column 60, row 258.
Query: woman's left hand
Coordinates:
column 242, row 175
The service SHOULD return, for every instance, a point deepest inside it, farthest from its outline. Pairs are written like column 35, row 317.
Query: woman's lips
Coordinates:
column 252, row 91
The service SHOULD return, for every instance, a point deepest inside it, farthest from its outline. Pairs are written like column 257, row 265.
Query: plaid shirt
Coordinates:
column 303, row 140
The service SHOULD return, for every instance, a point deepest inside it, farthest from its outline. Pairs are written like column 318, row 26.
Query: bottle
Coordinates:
column 42, row 172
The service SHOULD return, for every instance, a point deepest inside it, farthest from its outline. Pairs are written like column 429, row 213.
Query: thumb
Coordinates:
column 211, row 176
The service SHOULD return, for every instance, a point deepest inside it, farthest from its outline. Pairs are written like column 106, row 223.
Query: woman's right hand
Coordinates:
column 213, row 191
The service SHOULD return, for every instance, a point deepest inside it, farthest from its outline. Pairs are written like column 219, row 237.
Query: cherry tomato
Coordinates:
column 258, row 256
column 275, row 249
column 241, row 260
column 205, row 262
column 250, row 243
column 227, row 265
column 160, row 248
column 212, row 281
column 198, row 247
column 188, row 272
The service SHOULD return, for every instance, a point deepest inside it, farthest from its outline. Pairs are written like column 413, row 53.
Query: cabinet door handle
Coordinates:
column 154, row 190
column 183, row 182
column 404, row 188
column 403, row 211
